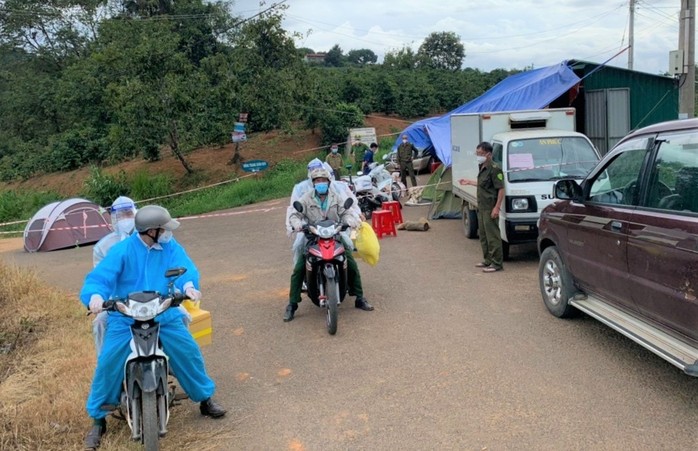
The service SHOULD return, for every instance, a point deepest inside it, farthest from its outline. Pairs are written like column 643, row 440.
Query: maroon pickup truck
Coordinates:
column 622, row 245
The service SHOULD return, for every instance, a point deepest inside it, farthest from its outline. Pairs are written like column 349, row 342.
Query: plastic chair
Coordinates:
column 383, row 224
column 395, row 210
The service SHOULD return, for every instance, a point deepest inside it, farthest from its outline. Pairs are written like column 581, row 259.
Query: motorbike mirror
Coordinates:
column 298, row 206
column 385, row 157
column 348, row 166
column 348, row 203
column 175, row 272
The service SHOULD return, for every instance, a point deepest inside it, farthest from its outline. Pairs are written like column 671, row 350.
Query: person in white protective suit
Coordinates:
column 123, row 213
column 339, row 187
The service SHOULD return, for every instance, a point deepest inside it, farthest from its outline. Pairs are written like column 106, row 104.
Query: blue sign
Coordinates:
column 254, row 165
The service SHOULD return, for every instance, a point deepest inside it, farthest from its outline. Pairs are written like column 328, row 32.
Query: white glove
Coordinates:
column 96, row 302
column 193, row 293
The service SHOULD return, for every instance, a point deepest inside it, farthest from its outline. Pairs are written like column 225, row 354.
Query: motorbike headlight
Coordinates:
column 326, row 232
column 144, row 311
column 519, row 204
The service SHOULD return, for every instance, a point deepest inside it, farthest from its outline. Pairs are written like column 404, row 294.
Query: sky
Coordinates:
column 506, row 34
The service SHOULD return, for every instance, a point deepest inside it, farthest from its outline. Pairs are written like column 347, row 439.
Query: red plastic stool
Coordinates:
column 383, row 224
column 395, row 210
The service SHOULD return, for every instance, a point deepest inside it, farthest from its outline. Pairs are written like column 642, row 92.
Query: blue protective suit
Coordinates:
column 131, row 266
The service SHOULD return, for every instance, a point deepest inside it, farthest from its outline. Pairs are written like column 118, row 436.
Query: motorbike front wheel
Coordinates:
column 150, row 433
column 332, row 292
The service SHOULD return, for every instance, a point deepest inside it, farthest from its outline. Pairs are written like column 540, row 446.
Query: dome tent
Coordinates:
column 64, row 224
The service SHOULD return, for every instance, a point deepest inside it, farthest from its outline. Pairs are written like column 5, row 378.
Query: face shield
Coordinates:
column 123, row 212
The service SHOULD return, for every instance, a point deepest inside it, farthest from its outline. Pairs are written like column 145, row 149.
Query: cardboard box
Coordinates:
column 201, row 327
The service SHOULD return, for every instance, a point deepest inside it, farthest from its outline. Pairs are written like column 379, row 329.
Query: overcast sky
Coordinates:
column 508, row 34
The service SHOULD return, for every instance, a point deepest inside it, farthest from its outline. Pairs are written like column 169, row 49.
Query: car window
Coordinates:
column 497, row 150
column 617, row 184
column 674, row 174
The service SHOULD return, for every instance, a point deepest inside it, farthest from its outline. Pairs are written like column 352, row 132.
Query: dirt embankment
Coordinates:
column 211, row 164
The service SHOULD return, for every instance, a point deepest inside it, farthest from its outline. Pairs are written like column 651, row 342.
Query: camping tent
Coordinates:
column 528, row 90
column 68, row 223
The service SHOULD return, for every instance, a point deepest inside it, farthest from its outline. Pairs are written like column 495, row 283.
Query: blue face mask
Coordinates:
column 321, row 188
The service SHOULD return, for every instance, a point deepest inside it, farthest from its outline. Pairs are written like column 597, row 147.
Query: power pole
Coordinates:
column 631, row 35
column 687, row 35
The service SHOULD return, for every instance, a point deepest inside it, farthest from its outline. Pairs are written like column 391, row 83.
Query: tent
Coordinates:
column 528, row 90
column 68, row 223
column 439, row 191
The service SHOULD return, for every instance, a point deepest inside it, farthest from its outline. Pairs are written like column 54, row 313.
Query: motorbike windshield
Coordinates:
column 551, row 158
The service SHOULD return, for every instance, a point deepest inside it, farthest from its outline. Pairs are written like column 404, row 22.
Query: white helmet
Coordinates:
column 315, row 163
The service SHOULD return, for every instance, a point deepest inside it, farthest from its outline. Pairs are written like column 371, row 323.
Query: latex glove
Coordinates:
column 193, row 293
column 96, row 303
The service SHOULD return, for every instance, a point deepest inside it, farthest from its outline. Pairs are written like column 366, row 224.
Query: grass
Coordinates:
column 46, row 365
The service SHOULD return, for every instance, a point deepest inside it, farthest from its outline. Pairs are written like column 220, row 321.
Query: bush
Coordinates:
column 335, row 124
column 104, row 188
column 145, row 186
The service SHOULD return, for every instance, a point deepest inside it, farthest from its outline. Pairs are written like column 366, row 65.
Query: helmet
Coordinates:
column 154, row 217
column 122, row 208
column 319, row 173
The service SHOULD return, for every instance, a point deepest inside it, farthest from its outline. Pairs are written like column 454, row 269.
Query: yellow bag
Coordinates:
column 367, row 246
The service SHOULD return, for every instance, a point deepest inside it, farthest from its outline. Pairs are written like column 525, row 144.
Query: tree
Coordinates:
column 441, row 51
column 361, row 57
column 335, row 124
column 335, row 57
column 403, row 58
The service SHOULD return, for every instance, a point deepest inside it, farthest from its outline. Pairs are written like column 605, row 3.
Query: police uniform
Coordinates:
column 336, row 162
column 489, row 181
column 405, row 153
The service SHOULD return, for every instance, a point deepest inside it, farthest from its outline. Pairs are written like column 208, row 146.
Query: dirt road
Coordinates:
column 451, row 358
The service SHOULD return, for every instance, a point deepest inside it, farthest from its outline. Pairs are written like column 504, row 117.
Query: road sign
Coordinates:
column 254, row 165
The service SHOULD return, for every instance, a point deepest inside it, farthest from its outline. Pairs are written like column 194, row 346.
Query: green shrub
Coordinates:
column 145, row 186
column 103, row 188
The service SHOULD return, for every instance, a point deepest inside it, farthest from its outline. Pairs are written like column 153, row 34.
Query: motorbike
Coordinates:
column 326, row 265
column 372, row 189
column 146, row 397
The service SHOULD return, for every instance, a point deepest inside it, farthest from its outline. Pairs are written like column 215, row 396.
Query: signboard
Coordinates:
column 366, row 136
column 254, row 165
column 242, row 117
column 239, row 132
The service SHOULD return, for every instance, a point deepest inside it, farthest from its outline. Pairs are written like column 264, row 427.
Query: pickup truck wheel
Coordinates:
column 556, row 285
column 469, row 222
column 505, row 250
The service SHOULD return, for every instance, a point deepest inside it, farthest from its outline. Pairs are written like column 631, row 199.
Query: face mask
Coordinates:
column 334, row 150
column 165, row 237
column 481, row 159
column 321, row 188
column 404, row 140
column 125, row 226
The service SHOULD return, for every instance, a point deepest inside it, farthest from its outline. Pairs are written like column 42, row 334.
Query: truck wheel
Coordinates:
column 505, row 250
column 469, row 222
column 556, row 284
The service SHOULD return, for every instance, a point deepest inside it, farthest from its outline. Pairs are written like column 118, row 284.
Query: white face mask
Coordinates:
column 125, row 226
column 481, row 159
column 165, row 237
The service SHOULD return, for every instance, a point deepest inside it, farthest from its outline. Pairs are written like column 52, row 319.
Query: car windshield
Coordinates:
column 553, row 158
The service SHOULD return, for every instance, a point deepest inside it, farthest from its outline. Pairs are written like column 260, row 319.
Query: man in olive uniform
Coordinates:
column 335, row 160
column 490, row 194
column 405, row 153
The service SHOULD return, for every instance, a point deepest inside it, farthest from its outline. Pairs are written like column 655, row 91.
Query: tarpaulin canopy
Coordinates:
column 528, row 90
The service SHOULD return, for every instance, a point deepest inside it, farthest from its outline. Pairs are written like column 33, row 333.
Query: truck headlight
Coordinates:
column 519, row 204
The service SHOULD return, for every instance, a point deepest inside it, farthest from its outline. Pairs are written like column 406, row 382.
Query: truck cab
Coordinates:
column 534, row 149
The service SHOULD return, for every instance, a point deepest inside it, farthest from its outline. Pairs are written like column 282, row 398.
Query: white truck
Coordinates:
column 534, row 148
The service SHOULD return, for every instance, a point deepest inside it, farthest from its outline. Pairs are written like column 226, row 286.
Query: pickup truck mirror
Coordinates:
column 568, row 189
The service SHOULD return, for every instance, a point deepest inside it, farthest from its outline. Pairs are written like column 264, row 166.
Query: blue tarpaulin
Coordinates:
column 528, row 90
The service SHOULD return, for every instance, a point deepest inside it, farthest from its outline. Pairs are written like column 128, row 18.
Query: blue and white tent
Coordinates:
column 528, row 90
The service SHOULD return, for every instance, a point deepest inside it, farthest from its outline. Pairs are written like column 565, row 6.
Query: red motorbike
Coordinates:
column 326, row 265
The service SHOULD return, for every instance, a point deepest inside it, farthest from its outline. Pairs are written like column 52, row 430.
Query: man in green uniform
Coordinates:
column 405, row 154
column 490, row 194
column 335, row 160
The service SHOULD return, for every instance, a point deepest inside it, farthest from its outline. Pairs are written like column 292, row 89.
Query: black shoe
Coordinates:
column 210, row 409
column 290, row 310
column 94, row 437
column 363, row 304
